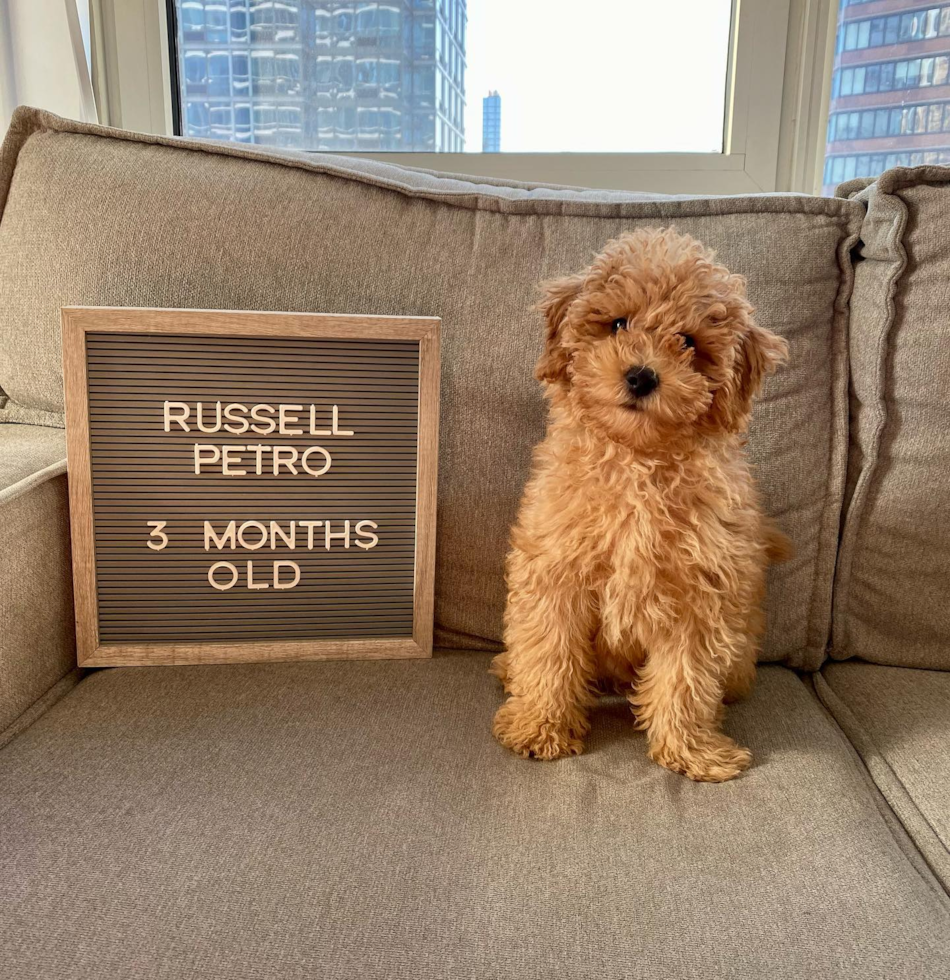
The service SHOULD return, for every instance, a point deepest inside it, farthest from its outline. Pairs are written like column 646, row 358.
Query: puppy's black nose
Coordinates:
column 642, row 380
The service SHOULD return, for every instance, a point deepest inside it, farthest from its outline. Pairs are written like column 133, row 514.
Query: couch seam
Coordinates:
column 855, row 527
column 59, row 424
column 837, row 710
column 34, row 479
column 838, row 445
column 50, row 697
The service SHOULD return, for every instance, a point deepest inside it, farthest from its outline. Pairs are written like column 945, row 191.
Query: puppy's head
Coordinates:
column 654, row 341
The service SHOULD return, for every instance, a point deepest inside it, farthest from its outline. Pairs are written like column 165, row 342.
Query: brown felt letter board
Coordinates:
column 250, row 486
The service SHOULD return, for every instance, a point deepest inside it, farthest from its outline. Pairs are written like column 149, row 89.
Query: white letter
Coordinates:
column 310, row 525
column 268, row 424
column 277, row 531
column 291, row 453
column 326, row 460
column 250, row 578
column 288, row 564
column 283, row 413
column 367, row 534
column 314, row 431
column 228, row 414
column 214, row 568
column 344, row 534
column 257, row 526
column 217, row 418
column 225, row 541
column 337, row 431
column 258, row 451
column 216, row 455
column 181, row 420
column 226, row 461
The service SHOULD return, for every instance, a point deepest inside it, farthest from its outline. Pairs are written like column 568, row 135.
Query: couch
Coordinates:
column 356, row 819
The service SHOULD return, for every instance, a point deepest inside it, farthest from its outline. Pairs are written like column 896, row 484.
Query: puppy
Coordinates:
column 640, row 551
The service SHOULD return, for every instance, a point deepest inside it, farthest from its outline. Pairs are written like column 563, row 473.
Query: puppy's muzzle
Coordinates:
column 641, row 381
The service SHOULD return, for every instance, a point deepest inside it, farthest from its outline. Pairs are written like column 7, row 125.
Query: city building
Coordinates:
column 890, row 98
column 491, row 123
column 324, row 75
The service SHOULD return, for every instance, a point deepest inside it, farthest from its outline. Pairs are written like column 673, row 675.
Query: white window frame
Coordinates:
column 776, row 106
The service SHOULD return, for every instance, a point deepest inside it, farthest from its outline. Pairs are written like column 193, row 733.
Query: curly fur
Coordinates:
column 639, row 555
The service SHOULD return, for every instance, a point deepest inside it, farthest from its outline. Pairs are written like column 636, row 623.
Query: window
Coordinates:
column 216, row 21
column 219, row 73
column 239, row 30
column 689, row 97
column 867, row 132
column 919, row 25
column 198, row 119
column 242, row 123
column 192, row 17
column 196, row 73
column 436, row 53
column 221, row 120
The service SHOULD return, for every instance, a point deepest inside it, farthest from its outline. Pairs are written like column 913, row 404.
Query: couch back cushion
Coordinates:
column 96, row 216
column 891, row 589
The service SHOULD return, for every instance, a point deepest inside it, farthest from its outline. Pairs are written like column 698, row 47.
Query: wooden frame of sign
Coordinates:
column 250, row 486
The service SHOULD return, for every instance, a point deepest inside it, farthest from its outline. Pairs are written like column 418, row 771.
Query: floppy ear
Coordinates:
column 760, row 353
column 558, row 296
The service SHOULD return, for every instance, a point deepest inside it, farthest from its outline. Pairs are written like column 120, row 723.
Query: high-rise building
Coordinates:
column 324, row 75
column 491, row 123
column 890, row 98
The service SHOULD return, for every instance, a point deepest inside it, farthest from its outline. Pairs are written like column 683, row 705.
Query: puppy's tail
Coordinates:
column 778, row 546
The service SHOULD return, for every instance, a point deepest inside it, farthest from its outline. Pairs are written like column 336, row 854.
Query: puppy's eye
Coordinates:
column 688, row 341
column 619, row 324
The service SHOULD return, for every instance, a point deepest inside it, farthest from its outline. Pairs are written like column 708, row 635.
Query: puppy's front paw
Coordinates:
column 525, row 730
column 713, row 759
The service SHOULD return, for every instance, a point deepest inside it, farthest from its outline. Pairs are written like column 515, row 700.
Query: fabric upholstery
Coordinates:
column 899, row 720
column 26, row 454
column 891, row 590
column 172, row 223
column 340, row 820
column 37, row 637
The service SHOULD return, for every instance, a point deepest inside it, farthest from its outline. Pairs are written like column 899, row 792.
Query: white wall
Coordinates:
column 38, row 65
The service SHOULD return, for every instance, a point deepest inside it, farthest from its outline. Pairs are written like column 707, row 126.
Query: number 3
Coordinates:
column 157, row 532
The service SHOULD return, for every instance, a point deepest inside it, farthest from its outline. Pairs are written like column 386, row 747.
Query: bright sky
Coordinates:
column 599, row 75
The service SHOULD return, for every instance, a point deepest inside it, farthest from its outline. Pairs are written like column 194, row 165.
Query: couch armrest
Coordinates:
column 37, row 634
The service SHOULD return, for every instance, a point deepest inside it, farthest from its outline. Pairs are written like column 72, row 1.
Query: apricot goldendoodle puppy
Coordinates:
column 640, row 551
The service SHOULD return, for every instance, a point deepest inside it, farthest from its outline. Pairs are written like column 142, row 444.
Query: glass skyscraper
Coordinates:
column 890, row 96
column 491, row 123
column 324, row 75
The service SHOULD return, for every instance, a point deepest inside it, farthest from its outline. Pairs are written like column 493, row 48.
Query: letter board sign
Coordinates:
column 250, row 486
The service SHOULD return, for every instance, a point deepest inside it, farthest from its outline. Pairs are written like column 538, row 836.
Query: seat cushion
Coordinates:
column 890, row 598
column 341, row 820
column 37, row 637
column 899, row 720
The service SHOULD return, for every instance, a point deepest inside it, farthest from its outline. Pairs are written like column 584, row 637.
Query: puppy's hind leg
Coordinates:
column 548, row 666
column 740, row 679
column 499, row 667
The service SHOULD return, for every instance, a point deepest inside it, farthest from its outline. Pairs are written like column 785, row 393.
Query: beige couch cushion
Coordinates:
column 101, row 217
column 37, row 646
column 898, row 718
column 891, row 601
column 356, row 821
